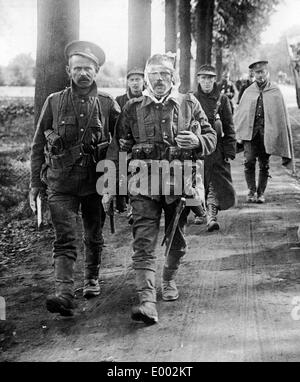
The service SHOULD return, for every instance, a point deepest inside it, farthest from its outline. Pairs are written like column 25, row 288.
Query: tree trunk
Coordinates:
column 219, row 60
column 184, row 13
column 139, row 33
column 204, row 29
column 57, row 24
column 171, row 25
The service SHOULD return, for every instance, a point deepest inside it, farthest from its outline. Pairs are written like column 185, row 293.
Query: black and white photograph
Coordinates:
column 149, row 184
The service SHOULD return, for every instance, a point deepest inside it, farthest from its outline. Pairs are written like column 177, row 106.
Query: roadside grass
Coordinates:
column 16, row 135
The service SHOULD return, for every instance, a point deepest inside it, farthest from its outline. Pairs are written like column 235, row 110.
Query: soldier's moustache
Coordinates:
column 83, row 78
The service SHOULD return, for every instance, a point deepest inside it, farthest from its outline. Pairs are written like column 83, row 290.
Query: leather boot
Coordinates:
column 146, row 310
column 200, row 214
column 262, row 185
column 91, row 287
column 63, row 300
column 169, row 289
column 212, row 224
column 251, row 184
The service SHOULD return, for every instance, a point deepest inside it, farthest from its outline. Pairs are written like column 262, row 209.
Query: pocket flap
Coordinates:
column 68, row 120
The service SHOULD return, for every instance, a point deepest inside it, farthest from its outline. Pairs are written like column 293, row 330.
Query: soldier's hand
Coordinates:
column 125, row 144
column 33, row 194
column 187, row 140
column 106, row 202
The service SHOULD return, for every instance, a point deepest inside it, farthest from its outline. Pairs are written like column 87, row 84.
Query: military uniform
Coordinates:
column 151, row 127
column 255, row 149
column 220, row 194
column 72, row 135
column 262, row 123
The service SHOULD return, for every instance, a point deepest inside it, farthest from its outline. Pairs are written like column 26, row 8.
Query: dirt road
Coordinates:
column 239, row 291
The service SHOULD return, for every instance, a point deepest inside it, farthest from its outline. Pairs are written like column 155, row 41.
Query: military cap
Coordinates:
column 166, row 60
column 86, row 49
column 207, row 70
column 258, row 65
column 135, row 71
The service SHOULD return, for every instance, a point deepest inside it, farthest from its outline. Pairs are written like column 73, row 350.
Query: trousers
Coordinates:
column 146, row 222
column 64, row 209
column 253, row 150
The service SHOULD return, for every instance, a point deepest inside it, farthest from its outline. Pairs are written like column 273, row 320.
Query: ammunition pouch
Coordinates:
column 145, row 151
column 153, row 151
column 100, row 151
column 55, row 141
column 175, row 152
column 69, row 157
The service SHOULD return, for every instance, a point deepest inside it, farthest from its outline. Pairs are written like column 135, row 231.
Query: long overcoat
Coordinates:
column 216, row 169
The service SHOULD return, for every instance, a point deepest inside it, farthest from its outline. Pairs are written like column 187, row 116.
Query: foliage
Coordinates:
column 20, row 71
column 15, row 137
column 239, row 23
column 111, row 75
column 11, row 109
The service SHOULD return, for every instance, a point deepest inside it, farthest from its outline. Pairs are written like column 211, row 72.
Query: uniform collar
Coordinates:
column 149, row 97
column 264, row 86
column 214, row 94
column 92, row 93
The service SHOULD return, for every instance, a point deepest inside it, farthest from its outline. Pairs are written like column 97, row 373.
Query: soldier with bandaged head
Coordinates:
column 154, row 127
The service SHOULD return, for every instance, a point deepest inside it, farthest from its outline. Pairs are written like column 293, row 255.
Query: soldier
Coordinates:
column 219, row 191
column 262, row 124
column 153, row 127
column 226, row 87
column 135, row 86
column 72, row 134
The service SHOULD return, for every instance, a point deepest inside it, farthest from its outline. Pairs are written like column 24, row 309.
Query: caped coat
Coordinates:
column 216, row 169
column 277, row 128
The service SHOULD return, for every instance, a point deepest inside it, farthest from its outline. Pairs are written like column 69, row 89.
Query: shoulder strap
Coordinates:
column 56, row 104
column 218, row 105
column 140, row 122
column 104, row 127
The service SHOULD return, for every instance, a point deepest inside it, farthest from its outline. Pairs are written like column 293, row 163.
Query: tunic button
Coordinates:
column 81, row 115
column 82, row 100
column 80, row 154
column 81, row 129
column 163, row 121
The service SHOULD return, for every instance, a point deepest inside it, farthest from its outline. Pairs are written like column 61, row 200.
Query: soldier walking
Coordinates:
column 262, row 125
column 219, row 191
column 158, row 126
column 72, row 135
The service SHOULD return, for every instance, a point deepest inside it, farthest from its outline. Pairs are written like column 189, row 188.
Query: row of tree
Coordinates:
column 219, row 28
column 215, row 26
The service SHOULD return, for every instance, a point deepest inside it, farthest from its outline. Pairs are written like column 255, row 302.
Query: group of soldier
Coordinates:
column 80, row 126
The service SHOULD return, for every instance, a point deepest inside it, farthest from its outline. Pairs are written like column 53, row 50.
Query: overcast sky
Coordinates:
column 105, row 22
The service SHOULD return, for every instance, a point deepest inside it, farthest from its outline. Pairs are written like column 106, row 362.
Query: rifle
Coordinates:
column 110, row 213
column 170, row 232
